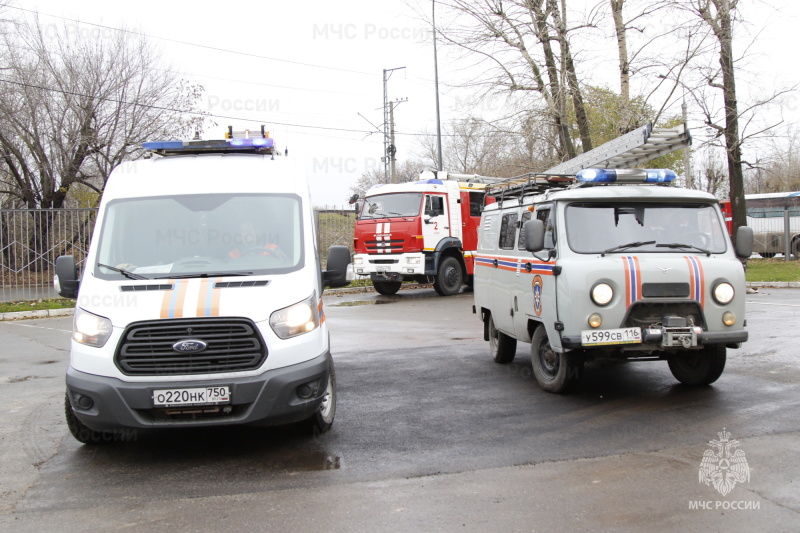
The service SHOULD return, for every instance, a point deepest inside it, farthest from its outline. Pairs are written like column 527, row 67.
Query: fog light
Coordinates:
column 82, row 401
column 595, row 320
column 308, row 390
column 728, row 318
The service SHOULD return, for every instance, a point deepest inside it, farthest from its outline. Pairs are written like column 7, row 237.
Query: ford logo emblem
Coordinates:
column 189, row 346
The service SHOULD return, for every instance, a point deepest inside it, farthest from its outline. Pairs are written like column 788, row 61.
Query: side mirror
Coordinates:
column 744, row 242
column 336, row 273
column 534, row 235
column 66, row 280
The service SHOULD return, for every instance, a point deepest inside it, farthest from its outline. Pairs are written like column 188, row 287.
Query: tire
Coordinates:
column 502, row 347
column 701, row 367
column 387, row 288
column 767, row 255
column 81, row 432
column 322, row 419
column 796, row 248
column 449, row 277
column 555, row 372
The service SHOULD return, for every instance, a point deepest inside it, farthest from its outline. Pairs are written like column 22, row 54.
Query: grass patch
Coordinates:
column 776, row 269
column 36, row 305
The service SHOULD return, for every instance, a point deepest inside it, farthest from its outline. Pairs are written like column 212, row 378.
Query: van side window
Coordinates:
column 526, row 216
column 508, row 227
column 549, row 230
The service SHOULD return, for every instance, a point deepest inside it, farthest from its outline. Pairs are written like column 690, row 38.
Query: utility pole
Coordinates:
column 436, row 82
column 392, row 147
column 388, row 141
column 686, row 154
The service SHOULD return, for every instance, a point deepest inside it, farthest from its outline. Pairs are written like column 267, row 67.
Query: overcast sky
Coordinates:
column 307, row 69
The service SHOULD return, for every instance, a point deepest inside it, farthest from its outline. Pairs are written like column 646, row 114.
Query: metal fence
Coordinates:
column 30, row 242
column 32, row 239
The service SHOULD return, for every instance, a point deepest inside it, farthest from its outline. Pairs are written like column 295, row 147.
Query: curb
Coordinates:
column 49, row 313
column 774, row 284
column 42, row 313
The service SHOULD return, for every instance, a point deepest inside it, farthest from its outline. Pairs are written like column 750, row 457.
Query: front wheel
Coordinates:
column 555, row 372
column 701, row 367
column 502, row 347
column 322, row 419
column 449, row 277
column 83, row 433
column 387, row 288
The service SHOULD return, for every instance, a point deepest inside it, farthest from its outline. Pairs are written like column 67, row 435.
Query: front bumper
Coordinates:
column 389, row 266
column 267, row 399
column 656, row 340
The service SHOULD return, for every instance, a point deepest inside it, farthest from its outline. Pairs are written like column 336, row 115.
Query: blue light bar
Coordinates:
column 222, row 145
column 432, row 181
column 611, row 175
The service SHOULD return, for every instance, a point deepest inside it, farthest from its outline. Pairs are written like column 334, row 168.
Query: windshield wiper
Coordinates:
column 683, row 245
column 124, row 272
column 207, row 275
column 635, row 244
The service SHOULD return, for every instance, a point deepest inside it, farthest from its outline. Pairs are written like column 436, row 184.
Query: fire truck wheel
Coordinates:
column 555, row 372
column 449, row 277
column 387, row 288
column 503, row 347
column 700, row 367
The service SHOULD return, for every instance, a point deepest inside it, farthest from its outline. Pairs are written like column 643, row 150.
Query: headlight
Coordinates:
column 297, row 319
column 412, row 260
column 90, row 329
column 358, row 260
column 723, row 293
column 602, row 293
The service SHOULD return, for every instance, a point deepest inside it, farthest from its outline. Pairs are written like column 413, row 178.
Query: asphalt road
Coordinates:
column 430, row 434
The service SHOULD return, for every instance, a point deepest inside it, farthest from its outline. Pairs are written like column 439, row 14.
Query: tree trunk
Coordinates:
column 624, row 68
column 571, row 75
column 722, row 25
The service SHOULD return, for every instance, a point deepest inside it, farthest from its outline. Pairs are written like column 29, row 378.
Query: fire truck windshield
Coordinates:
column 391, row 205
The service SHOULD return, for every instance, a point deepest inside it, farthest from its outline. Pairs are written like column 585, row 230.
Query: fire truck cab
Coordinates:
column 610, row 264
column 425, row 230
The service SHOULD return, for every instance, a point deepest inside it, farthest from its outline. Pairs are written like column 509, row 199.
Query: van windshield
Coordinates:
column 644, row 227
column 391, row 205
column 199, row 235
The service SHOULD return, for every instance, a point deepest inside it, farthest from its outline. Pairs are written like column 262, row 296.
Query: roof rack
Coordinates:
column 527, row 184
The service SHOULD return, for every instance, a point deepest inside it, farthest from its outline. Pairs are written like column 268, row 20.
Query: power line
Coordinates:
column 187, row 43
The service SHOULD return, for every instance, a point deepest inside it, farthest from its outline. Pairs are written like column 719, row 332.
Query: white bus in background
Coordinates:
column 766, row 214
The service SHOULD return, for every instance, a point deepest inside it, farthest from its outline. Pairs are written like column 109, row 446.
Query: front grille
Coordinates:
column 665, row 290
column 384, row 261
column 646, row 314
column 395, row 245
column 233, row 345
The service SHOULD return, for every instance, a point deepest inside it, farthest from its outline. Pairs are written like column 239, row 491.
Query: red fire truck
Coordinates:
column 424, row 230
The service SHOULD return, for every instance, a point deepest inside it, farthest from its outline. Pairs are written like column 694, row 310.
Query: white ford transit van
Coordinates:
column 200, row 302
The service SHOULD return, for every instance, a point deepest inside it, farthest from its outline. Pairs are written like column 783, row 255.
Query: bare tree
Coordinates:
column 524, row 45
column 407, row 170
column 73, row 109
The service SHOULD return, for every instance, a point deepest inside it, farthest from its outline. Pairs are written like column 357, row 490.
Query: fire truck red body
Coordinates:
column 425, row 230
